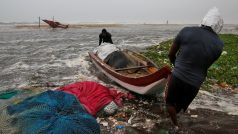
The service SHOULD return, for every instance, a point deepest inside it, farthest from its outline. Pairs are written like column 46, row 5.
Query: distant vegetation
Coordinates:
column 223, row 71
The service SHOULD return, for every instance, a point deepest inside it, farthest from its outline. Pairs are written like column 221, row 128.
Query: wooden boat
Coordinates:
column 55, row 24
column 143, row 77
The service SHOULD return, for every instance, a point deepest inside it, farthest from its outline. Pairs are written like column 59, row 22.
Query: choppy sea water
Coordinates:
column 45, row 55
column 31, row 56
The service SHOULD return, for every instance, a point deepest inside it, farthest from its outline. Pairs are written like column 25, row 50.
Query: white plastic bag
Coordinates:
column 213, row 19
column 105, row 49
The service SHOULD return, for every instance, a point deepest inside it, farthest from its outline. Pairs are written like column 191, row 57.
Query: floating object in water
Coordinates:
column 55, row 24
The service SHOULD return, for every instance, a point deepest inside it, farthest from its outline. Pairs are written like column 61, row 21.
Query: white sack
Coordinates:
column 105, row 49
column 213, row 19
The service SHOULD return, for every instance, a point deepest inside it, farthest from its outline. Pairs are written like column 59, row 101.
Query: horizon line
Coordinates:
column 143, row 23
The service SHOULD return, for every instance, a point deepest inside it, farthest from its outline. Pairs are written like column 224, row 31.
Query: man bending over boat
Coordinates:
column 193, row 51
column 105, row 37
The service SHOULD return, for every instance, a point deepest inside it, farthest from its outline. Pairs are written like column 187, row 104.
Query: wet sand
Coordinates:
column 147, row 115
column 209, row 122
column 144, row 115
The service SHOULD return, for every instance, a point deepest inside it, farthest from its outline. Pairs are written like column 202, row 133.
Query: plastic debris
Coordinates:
column 194, row 116
column 104, row 123
column 120, row 129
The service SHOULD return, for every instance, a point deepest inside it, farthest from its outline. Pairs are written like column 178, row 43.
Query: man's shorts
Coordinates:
column 180, row 94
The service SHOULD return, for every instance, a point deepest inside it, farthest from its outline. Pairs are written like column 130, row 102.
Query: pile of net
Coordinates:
column 51, row 112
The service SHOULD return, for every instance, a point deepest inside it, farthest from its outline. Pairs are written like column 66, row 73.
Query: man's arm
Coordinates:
column 172, row 52
column 111, row 40
column 100, row 40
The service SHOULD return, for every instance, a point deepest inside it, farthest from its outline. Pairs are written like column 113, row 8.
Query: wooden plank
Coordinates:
column 138, row 67
column 138, row 59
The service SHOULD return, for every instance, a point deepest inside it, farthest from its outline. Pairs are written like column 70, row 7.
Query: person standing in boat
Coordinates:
column 105, row 36
column 193, row 51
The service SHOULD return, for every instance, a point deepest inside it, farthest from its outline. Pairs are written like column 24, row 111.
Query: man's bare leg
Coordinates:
column 172, row 112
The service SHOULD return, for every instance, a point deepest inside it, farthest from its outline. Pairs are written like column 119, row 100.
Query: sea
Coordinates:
column 48, row 57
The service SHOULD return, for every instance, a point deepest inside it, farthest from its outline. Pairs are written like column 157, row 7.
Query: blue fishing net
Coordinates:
column 51, row 112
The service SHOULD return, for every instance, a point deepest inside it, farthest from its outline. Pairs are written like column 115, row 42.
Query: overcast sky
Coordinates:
column 116, row 11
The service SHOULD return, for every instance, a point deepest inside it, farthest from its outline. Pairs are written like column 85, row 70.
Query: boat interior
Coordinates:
column 134, row 64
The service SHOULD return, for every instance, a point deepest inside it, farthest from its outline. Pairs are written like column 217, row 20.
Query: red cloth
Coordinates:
column 94, row 96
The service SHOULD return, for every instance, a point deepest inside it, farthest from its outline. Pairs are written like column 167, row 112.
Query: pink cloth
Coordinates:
column 94, row 96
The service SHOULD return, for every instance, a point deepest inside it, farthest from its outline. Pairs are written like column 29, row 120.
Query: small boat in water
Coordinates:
column 55, row 24
column 140, row 75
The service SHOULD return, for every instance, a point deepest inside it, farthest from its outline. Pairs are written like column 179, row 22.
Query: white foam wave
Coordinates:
column 76, row 62
column 228, row 104
column 17, row 66
column 128, row 45
column 36, row 40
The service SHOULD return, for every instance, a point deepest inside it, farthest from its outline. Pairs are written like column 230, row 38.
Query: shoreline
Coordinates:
column 70, row 25
column 87, row 25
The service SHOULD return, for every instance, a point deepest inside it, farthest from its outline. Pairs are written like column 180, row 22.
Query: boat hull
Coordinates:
column 150, row 84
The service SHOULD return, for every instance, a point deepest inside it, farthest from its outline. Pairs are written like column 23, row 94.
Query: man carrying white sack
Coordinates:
column 193, row 51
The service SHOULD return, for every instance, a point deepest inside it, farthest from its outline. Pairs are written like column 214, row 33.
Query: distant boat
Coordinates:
column 55, row 24
column 144, row 77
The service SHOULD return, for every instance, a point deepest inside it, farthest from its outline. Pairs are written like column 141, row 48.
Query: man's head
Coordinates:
column 213, row 19
column 104, row 30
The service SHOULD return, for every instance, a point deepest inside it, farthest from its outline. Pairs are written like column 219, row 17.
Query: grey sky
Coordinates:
column 116, row 11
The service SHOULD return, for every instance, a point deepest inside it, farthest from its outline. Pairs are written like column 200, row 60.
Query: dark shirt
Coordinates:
column 195, row 49
column 105, row 37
